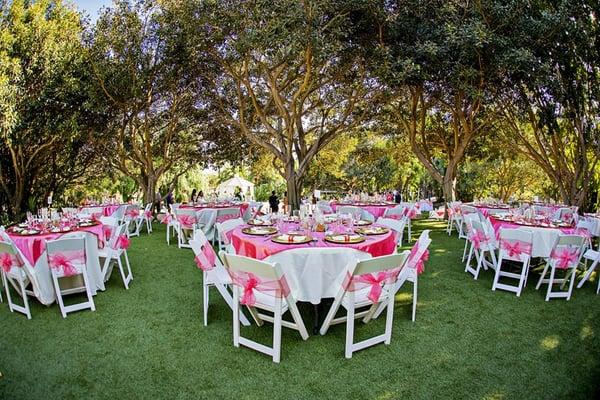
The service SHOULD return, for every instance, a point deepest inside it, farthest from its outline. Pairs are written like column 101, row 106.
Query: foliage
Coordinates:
column 49, row 126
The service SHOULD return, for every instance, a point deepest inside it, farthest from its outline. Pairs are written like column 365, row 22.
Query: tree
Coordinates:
column 442, row 68
column 49, row 125
column 290, row 80
column 153, row 87
column 551, row 111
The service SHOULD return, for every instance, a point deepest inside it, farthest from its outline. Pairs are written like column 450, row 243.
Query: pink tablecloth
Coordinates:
column 375, row 210
column 32, row 247
column 260, row 247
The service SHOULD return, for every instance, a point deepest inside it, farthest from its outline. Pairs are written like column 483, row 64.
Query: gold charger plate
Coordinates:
column 29, row 233
column 352, row 240
column 277, row 239
column 376, row 230
column 265, row 230
column 87, row 224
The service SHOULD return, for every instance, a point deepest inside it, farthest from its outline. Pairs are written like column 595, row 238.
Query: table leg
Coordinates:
column 317, row 318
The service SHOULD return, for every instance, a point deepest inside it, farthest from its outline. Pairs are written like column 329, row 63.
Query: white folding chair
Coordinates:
column 468, row 227
column 454, row 216
column 484, row 244
column 223, row 228
column 186, row 222
column 411, row 271
column 66, row 258
column 113, row 250
column 146, row 218
column 213, row 274
column 565, row 255
column 397, row 225
column 515, row 245
column 261, row 285
column 368, row 283
column 14, row 273
column 134, row 216
column 594, row 257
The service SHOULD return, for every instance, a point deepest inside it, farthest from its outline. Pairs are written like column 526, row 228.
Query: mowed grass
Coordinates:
column 149, row 342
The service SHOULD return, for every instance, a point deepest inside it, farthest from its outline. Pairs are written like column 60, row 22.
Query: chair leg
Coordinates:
column 414, row 305
column 129, row 274
column 277, row 331
column 349, row 330
column 552, row 271
column 572, row 283
column 59, row 299
column 587, row 274
column 390, row 319
column 542, row 277
column 122, row 272
column 86, row 281
column 25, row 300
column 465, row 251
column 205, row 292
column 236, row 318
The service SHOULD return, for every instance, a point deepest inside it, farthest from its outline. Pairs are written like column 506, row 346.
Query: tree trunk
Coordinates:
column 150, row 189
column 449, row 189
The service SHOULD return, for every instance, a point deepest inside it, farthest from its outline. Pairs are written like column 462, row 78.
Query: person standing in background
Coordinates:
column 193, row 196
column 274, row 202
column 169, row 200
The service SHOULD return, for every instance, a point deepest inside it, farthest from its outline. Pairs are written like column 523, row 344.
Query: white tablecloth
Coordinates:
column 40, row 273
column 316, row 273
column 543, row 239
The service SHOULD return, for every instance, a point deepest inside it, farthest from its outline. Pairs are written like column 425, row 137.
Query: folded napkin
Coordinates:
column 260, row 230
column 341, row 238
column 292, row 238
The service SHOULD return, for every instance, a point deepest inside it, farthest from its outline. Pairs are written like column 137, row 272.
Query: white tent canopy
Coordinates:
column 227, row 188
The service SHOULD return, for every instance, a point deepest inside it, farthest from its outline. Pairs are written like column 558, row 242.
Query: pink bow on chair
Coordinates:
column 123, row 242
column 352, row 283
column 565, row 257
column 411, row 213
column 148, row 214
column 65, row 261
column 478, row 238
column 418, row 264
column 7, row 261
column 205, row 260
column 133, row 213
column 167, row 219
column 250, row 282
column 515, row 248
column 187, row 221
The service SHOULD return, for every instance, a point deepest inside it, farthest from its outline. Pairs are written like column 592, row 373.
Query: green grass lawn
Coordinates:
column 149, row 341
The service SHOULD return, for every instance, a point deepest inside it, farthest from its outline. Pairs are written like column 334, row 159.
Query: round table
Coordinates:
column 491, row 210
column 107, row 209
column 33, row 249
column 543, row 237
column 315, row 270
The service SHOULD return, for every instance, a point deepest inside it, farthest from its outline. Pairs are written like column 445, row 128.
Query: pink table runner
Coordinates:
column 260, row 247
column 32, row 247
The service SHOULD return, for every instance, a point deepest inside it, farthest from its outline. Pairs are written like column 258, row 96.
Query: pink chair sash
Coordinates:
column 186, row 221
column 515, row 249
column 412, row 213
column 205, row 260
column 133, row 213
column 352, row 283
column 148, row 214
column 7, row 261
column 583, row 232
column 565, row 257
column 64, row 260
column 418, row 264
column 123, row 242
column 249, row 282
column 478, row 238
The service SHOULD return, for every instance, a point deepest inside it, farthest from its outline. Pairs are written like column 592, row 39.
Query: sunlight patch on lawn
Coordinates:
column 386, row 396
column 550, row 342
column 404, row 297
column 494, row 396
column 586, row 332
